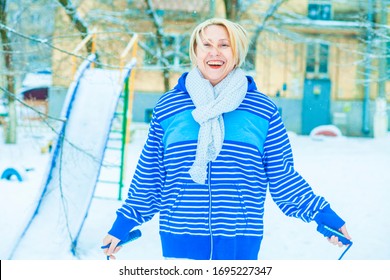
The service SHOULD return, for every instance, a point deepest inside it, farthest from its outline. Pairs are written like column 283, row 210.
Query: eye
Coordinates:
column 206, row 44
column 224, row 45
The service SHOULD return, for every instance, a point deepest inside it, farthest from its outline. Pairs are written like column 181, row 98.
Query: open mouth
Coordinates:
column 215, row 64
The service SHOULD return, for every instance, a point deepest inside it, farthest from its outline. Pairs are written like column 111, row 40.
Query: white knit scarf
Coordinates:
column 211, row 102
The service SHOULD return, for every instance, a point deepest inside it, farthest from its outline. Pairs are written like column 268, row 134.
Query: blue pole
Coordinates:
column 367, row 72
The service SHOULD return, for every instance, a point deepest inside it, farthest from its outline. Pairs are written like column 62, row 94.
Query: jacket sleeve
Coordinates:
column 144, row 195
column 290, row 191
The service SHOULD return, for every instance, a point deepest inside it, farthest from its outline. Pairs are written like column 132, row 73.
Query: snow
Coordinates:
column 351, row 173
column 74, row 167
column 34, row 80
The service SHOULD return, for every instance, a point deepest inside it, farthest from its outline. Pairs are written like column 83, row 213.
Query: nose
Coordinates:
column 214, row 51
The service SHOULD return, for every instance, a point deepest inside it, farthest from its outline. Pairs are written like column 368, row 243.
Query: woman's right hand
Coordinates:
column 113, row 248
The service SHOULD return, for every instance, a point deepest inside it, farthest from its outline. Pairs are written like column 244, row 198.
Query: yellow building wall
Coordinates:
column 300, row 6
column 109, row 46
column 345, row 65
column 280, row 61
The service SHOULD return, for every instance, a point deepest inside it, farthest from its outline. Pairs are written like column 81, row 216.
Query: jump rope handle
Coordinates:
column 133, row 235
column 329, row 232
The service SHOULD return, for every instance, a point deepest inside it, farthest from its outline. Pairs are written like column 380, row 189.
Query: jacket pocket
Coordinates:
column 187, row 210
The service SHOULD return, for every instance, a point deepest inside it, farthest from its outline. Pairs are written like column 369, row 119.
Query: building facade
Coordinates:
column 321, row 61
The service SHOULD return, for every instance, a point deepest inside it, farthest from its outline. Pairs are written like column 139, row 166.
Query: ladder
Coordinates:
column 114, row 162
column 113, row 169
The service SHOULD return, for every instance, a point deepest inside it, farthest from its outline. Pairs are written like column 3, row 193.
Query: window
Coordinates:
column 310, row 58
column 319, row 10
column 176, row 52
column 317, row 59
column 323, row 58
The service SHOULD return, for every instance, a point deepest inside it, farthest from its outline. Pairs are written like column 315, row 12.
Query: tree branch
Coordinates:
column 251, row 58
column 77, row 20
column 46, row 42
column 160, row 35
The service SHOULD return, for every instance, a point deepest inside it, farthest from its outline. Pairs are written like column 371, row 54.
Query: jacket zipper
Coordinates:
column 210, row 228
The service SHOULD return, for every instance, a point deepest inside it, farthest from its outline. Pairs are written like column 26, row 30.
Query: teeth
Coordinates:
column 215, row 63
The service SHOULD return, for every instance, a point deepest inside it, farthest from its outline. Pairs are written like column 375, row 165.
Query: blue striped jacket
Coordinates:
column 223, row 218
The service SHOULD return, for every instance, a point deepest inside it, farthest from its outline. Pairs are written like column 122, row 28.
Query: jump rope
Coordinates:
column 323, row 229
column 329, row 232
column 133, row 235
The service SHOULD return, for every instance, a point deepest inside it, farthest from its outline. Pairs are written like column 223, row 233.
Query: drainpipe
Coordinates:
column 367, row 72
column 382, row 46
column 380, row 116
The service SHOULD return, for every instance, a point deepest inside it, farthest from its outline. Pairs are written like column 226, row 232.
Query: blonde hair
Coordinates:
column 237, row 35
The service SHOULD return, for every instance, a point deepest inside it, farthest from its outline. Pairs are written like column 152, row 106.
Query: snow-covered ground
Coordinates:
column 353, row 174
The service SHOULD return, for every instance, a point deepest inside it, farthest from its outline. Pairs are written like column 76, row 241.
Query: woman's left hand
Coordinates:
column 334, row 239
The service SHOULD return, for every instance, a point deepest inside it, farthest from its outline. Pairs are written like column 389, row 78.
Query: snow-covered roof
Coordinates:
column 35, row 80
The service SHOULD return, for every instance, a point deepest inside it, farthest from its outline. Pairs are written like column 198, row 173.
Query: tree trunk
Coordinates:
column 78, row 22
column 251, row 57
column 160, row 43
column 231, row 8
column 11, row 127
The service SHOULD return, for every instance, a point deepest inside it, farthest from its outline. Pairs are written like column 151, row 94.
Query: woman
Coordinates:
column 214, row 146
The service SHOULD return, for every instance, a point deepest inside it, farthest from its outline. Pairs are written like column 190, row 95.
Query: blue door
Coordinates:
column 315, row 104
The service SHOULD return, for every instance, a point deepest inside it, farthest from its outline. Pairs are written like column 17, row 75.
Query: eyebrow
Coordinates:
column 220, row 40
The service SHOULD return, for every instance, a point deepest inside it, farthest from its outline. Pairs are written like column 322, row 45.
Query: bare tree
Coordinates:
column 11, row 132
column 160, row 35
column 231, row 8
column 77, row 20
column 251, row 58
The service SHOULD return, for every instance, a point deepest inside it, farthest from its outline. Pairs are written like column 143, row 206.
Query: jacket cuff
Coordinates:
column 328, row 217
column 121, row 227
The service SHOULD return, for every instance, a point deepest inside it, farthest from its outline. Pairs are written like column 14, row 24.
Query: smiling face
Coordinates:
column 214, row 54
